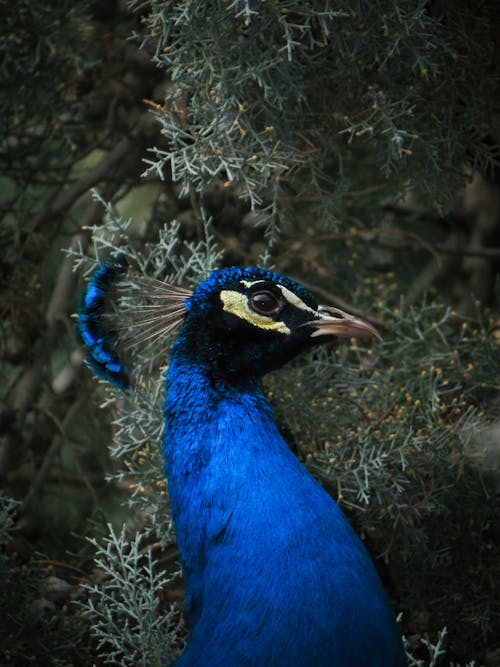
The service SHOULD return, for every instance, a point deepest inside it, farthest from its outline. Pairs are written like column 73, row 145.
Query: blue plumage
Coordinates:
column 99, row 341
column 275, row 575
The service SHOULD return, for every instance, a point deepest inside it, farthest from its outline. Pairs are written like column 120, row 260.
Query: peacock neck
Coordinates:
column 215, row 429
column 206, row 415
column 220, row 438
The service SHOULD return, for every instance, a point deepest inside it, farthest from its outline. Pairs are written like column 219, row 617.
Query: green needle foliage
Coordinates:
column 266, row 94
column 124, row 608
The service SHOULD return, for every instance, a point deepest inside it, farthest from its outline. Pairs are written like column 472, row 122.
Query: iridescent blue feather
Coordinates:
column 100, row 341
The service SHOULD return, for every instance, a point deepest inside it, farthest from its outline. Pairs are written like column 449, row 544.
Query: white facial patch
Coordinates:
column 236, row 303
column 294, row 300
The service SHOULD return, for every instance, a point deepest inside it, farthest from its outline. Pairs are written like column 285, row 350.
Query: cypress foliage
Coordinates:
column 269, row 95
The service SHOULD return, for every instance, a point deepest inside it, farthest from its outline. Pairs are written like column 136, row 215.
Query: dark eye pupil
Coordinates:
column 265, row 303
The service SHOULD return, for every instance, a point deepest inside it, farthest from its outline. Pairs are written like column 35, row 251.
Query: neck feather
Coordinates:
column 207, row 417
column 220, row 439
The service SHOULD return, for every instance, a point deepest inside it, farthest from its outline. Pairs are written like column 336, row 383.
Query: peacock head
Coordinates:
column 245, row 322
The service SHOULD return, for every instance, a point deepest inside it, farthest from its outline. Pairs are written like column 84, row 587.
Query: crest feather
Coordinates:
column 150, row 311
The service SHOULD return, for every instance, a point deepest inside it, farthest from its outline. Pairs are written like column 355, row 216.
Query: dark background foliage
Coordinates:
column 353, row 146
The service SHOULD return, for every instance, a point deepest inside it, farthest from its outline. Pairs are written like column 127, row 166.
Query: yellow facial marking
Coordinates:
column 236, row 303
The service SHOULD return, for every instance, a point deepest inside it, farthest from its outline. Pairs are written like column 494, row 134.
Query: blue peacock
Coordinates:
column 275, row 575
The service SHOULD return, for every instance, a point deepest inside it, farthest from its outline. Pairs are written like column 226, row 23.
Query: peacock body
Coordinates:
column 275, row 575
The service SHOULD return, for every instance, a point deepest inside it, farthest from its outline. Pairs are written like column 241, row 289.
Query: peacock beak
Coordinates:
column 335, row 322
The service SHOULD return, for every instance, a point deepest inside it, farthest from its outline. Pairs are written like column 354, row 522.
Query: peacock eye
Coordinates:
column 264, row 302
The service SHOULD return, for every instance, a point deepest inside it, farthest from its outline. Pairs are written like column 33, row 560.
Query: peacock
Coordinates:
column 275, row 575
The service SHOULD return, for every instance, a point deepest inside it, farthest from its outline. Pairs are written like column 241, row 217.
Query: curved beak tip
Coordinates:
column 335, row 322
